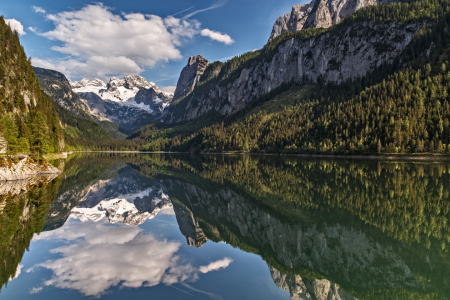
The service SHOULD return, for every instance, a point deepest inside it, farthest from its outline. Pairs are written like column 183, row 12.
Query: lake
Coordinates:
column 166, row 226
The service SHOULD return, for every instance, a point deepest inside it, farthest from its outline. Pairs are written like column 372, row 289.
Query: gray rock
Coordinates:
column 155, row 99
column 345, row 53
column 190, row 74
column 107, row 110
column 25, row 169
column 318, row 13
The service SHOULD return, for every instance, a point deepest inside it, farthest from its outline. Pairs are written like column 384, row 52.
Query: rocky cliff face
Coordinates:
column 344, row 53
column 318, row 13
column 58, row 87
column 308, row 289
column 190, row 75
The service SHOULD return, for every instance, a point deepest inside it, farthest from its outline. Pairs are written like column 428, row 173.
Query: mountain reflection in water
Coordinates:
column 325, row 229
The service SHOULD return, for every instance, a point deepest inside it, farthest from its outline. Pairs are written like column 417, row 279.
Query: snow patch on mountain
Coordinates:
column 122, row 101
column 123, row 91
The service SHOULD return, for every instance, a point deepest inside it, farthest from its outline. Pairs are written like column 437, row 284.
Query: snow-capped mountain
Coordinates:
column 122, row 101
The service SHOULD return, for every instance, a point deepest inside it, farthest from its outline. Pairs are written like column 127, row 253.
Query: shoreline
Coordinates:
column 370, row 157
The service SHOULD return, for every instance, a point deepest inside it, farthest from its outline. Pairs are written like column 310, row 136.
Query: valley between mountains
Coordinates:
column 348, row 77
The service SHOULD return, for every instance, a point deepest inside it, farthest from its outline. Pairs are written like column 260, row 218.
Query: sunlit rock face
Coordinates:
column 308, row 289
column 190, row 75
column 318, row 14
column 25, row 168
column 346, row 53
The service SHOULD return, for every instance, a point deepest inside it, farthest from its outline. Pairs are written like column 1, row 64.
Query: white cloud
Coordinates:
column 32, row 29
column 38, row 9
column 108, row 44
column 15, row 25
column 217, row 265
column 99, row 256
column 168, row 89
column 220, row 37
column 214, row 6
column 35, row 290
column 99, row 43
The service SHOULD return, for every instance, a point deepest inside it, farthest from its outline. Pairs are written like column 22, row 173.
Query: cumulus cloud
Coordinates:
column 38, row 9
column 217, row 36
column 15, row 25
column 99, row 43
column 100, row 256
column 217, row 265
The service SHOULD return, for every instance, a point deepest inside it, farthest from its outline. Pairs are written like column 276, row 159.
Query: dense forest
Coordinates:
column 28, row 122
column 398, row 108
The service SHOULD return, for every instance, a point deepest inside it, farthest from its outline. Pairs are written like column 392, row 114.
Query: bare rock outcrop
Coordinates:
column 190, row 74
column 25, row 168
column 318, row 14
column 347, row 52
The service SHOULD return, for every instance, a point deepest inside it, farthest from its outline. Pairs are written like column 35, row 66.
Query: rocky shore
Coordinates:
column 24, row 167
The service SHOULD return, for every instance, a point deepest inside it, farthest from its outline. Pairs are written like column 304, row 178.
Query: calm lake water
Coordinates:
column 129, row 226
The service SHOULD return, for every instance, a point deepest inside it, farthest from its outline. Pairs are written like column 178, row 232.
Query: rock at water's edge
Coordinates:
column 25, row 169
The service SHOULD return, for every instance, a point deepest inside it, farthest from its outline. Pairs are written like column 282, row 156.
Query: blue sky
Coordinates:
column 152, row 38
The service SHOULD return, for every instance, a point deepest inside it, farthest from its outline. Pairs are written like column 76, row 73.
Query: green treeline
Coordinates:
column 387, row 111
column 29, row 122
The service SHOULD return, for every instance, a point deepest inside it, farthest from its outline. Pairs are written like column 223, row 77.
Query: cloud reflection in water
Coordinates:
column 100, row 256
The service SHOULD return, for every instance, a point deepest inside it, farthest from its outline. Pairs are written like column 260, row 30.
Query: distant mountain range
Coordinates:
column 128, row 103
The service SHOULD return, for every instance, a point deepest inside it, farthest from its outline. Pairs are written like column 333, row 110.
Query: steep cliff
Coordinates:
column 318, row 14
column 58, row 87
column 190, row 75
column 344, row 52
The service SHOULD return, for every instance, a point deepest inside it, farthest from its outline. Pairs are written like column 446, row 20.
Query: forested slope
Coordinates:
column 29, row 122
column 399, row 107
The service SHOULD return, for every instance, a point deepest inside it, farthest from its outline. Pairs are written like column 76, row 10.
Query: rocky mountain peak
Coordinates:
column 190, row 74
column 86, row 83
column 122, row 101
column 318, row 14
column 131, row 82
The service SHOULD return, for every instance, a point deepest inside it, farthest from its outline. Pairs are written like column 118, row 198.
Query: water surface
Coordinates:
column 118, row 226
